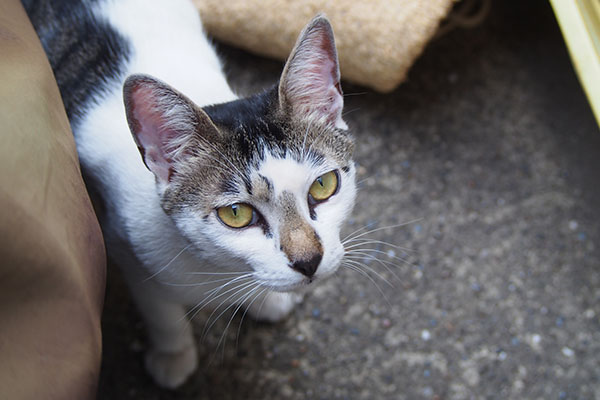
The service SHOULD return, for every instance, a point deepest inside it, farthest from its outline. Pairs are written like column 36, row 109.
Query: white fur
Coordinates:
column 162, row 265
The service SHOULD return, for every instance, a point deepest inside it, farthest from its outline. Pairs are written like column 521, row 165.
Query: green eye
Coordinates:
column 237, row 215
column 324, row 186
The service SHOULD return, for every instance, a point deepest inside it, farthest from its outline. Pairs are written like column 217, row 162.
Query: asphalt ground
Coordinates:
column 490, row 156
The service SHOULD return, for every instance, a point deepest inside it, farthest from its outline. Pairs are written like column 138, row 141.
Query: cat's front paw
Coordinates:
column 170, row 370
column 275, row 307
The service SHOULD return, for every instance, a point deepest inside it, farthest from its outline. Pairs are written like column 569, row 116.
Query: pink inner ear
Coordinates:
column 312, row 81
column 150, row 131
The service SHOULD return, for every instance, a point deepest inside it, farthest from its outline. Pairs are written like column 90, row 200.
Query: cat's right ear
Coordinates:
column 165, row 124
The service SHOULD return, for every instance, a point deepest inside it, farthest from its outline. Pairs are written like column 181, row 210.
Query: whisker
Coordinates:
column 195, row 284
column 234, row 303
column 240, row 289
column 262, row 303
column 358, row 251
column 237, row 336
column 213, row 296
column 169, row 263
column 371, row 270
column 355, row 94
column 350, row 111
column 383, row 263
column 216, row 273
column 360, row 271
column 363, row 180
column 362, row 242
column 304, row 141
column 380, row 229
column 219, row 288
column 349, row 236
column 241, row 304
column 206, row 330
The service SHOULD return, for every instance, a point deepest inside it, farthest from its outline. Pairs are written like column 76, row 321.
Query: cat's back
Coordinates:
column 92, row 45
column 87, row 55
column 168, row 43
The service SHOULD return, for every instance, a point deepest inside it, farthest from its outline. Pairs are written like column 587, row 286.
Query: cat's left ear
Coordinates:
column 166, row 125
column 310, row 82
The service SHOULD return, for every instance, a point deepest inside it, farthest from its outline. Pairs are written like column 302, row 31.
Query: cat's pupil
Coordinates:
column 320, row 180
column 234, row 210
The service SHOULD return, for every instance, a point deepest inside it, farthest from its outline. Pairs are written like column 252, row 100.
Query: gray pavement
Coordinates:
column 492, row 152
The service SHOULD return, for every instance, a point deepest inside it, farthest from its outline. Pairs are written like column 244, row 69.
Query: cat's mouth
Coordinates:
column 298, row 287
column 301, row 286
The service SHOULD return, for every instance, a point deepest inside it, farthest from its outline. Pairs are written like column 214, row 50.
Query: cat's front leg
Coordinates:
column 172, row 356
column 275, row 306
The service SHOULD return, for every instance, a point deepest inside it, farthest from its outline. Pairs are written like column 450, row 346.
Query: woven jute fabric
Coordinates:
column 377, row 40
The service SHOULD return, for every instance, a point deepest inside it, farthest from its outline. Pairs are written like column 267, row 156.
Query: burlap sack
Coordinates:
column 377, row 40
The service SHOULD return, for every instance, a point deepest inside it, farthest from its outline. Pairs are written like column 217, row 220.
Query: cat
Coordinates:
column 208, row 198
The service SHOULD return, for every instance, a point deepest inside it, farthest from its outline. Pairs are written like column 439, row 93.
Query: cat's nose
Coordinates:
column 307, row 267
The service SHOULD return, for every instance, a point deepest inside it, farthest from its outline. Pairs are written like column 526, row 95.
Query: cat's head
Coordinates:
column 266, row 179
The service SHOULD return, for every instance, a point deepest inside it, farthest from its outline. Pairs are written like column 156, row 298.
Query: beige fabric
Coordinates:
column 378, row 40
column 52, row 262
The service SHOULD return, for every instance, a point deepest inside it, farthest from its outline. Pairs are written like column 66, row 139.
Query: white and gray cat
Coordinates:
column 233, row 201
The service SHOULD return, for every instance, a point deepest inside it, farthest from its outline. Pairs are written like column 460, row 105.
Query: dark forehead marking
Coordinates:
column 263, row 188
column 250, row 121
column 229, row 186
column 233, row 114
column 87, row 55
column 267, row 182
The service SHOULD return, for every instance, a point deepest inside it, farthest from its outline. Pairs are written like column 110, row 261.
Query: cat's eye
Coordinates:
column 237, row 215
column 324, row 187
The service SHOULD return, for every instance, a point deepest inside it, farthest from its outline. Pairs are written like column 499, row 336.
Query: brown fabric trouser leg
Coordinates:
column 52, row 261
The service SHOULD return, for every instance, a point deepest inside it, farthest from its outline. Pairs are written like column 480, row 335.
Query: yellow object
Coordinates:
column 579, row 21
